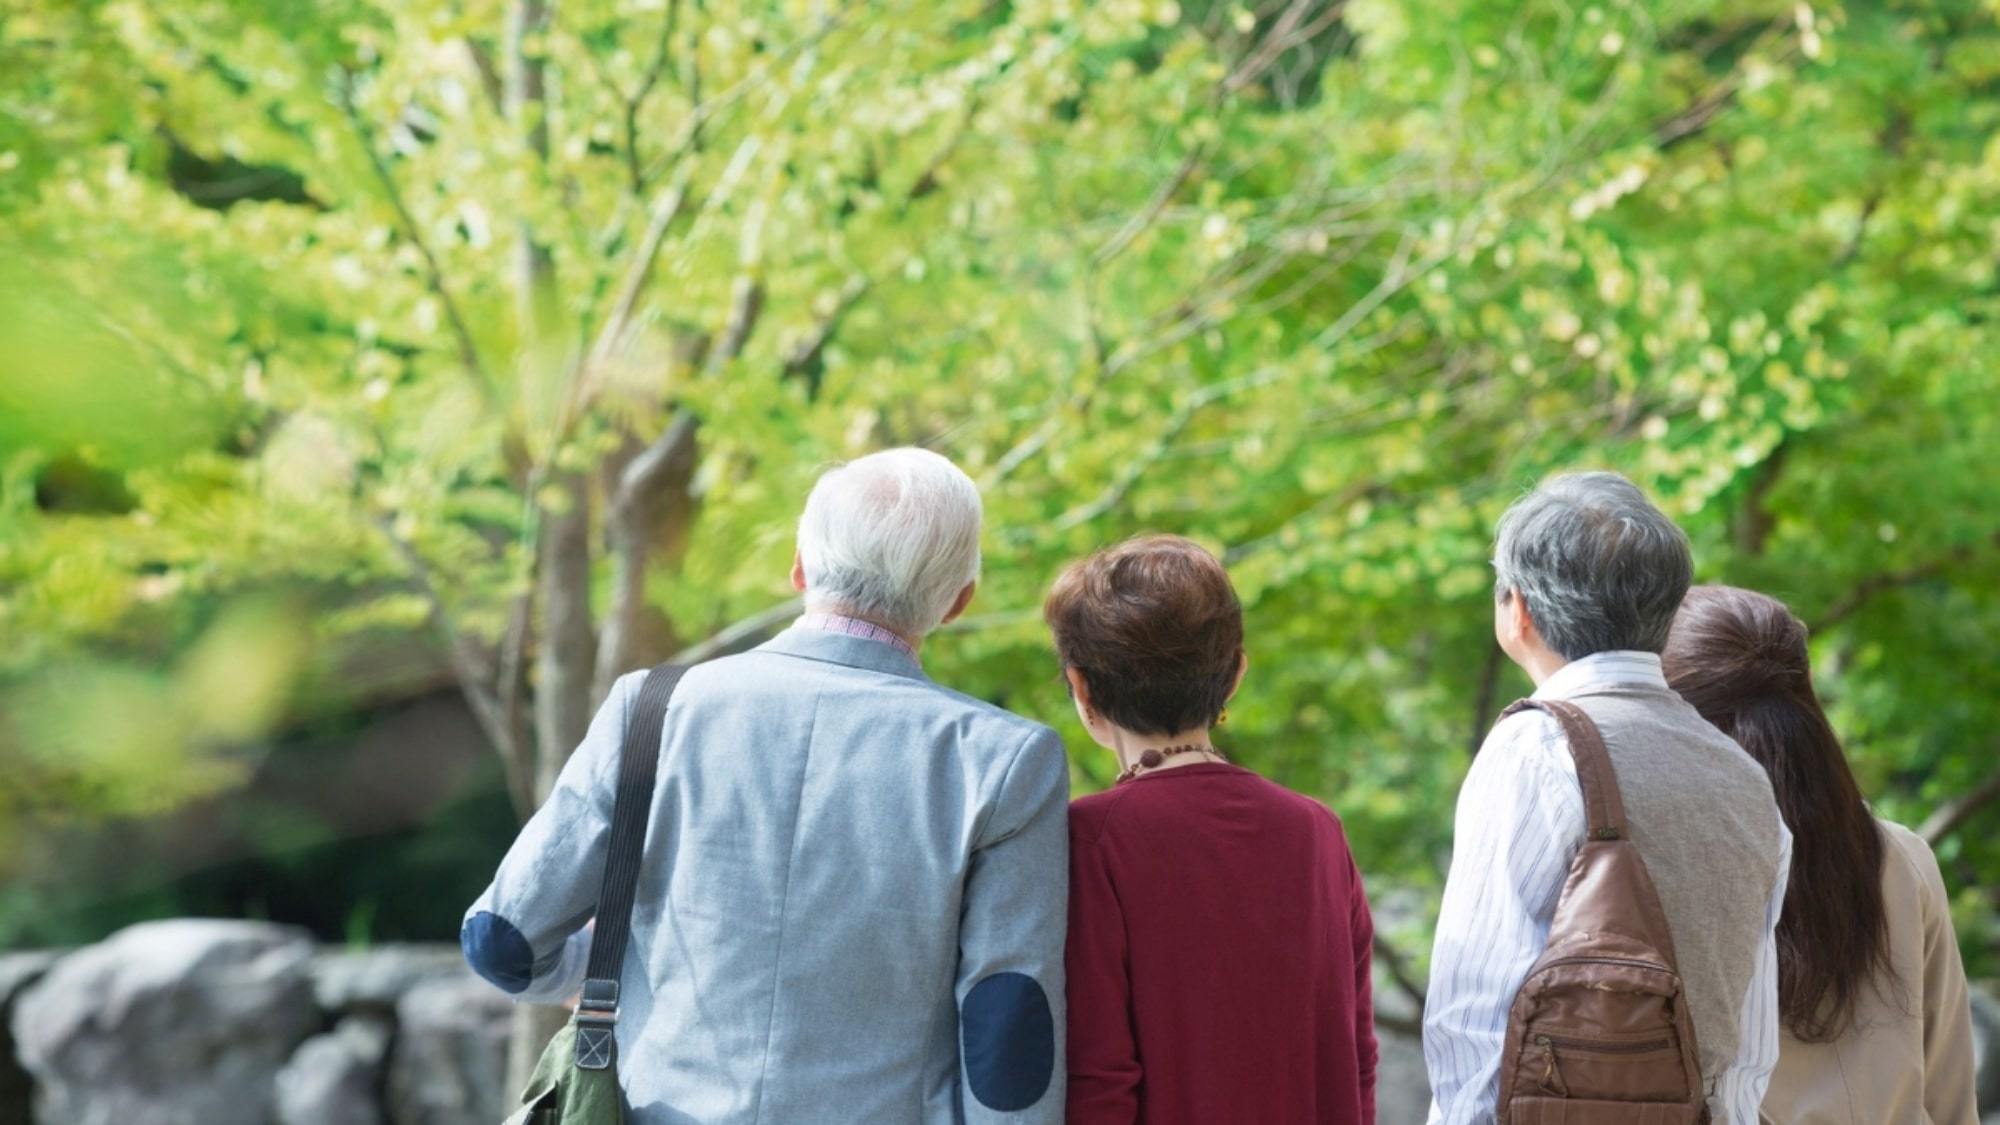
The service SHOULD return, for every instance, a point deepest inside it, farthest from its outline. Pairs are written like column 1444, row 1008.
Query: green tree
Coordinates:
column 530, row 326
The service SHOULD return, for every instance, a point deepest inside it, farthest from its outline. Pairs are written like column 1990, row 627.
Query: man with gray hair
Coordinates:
column 1588, row 577
column 852, row 896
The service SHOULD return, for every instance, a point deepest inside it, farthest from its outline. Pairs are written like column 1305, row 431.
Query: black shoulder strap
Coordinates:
column 638, row 766
column 1602, row 805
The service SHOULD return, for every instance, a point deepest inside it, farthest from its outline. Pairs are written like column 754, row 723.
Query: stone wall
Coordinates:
column 195, row 1022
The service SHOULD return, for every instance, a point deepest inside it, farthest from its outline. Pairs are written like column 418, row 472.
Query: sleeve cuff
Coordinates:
column 564, row 978
column 497, row 951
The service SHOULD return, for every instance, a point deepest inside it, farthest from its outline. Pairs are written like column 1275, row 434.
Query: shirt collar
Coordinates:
column 1602, row 671
column 845, row 648
column 856, row 627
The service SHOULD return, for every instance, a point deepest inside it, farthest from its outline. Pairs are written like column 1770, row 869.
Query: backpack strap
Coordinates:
column 638, row 767
column 1603, row 808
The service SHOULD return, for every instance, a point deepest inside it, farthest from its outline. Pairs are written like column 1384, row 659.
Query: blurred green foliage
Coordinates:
column 1322, row 285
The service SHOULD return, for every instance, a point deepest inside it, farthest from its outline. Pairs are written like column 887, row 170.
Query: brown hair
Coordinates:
column 1740, row 658
column 1154, row 628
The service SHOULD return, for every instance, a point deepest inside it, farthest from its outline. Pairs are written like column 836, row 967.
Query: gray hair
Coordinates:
column 891, row 537
column 1600, row 567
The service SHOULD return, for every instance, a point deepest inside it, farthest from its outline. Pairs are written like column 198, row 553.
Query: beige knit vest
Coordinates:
column 1702, row 815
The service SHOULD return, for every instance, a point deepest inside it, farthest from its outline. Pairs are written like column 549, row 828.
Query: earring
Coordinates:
column 1089, row 717
column 1222, row 718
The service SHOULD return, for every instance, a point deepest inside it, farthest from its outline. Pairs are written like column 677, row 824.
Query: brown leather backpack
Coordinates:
column 1600, row 1033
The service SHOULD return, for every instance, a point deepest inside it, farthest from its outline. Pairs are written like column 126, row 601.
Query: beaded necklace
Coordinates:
column 1152, row 759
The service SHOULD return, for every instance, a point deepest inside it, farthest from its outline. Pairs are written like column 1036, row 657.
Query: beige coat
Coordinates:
column 1907, row 1060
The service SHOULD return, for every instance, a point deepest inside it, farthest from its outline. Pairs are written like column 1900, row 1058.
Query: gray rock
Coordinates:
column 375, row 979
column 1402, row 1087
column 171, row 1023
column 1986, row 1043
column 17, row 972
column 449, row 1063
column 336, row 1078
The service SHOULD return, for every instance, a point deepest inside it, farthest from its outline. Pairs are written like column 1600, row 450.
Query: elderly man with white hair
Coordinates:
column 850, row 906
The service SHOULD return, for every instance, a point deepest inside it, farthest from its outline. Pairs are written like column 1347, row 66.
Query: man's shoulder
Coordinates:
column 989, row 720
column 761, row 678
column 1518, row 722
column 1528, row 736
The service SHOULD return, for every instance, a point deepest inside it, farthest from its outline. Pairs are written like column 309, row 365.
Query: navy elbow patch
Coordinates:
column 1009, row 1041
column 497, row 951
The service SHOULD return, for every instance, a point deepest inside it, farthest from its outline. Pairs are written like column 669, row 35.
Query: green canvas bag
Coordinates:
column 576, row 1081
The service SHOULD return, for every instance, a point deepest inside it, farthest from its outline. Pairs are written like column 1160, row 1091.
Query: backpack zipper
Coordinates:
column 1653, row 965
column 1552, row 1079
column 1601, row 1047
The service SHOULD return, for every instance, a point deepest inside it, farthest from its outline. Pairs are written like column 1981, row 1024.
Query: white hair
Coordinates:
column 891, row 537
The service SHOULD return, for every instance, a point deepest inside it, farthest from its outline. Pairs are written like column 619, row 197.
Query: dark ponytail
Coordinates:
column 1740, row 658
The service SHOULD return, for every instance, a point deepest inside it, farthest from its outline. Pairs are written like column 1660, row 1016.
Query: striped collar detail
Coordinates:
column 856, row 627
column 1602, row 670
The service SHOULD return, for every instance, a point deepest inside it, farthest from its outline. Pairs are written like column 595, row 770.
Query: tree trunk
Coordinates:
column 534, row 290
column 563, row 657
column 563, row 661
column 534, row 1026
column 644, row 502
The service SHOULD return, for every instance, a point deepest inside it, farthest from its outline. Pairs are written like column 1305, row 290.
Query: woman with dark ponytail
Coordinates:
column 1870, row 986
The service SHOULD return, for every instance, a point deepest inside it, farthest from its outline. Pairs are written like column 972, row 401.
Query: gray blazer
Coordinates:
column 852, row 906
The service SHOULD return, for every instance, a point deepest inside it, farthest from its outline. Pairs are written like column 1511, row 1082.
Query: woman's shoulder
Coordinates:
column 1914, row 860
column 1907, row 845
column 1089, row 814
column 1172, row 797
column 1279, row 795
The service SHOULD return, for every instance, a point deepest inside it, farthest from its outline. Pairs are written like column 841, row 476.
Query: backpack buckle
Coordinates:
column 597, row 1025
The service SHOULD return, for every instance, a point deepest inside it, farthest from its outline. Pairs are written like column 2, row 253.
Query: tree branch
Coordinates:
column 563, row 659
column 1852, row 249
column 1135, row 468
column 703, row 110
column 1394, row 280
column 1850, row 603
column 524, row 94
column 1753, row 521
column 745, row 634
column 639, row 506
column 490, row 82
column 634, row 170
column 666, row 208
column 805, row 359
column 1286, row 32
column 1398, row 967
column 746, row 307
column 1156, row 203
column 468, row 667
column 1953, row 814
column 513, row 667
column 1698, row 114
column 1482, row 702
column 927, row 181
column 1237, row 552
column 468, row 352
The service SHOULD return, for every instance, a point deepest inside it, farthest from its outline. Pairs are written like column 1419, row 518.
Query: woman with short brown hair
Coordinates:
column 1218, row 933
column 1870, row 987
